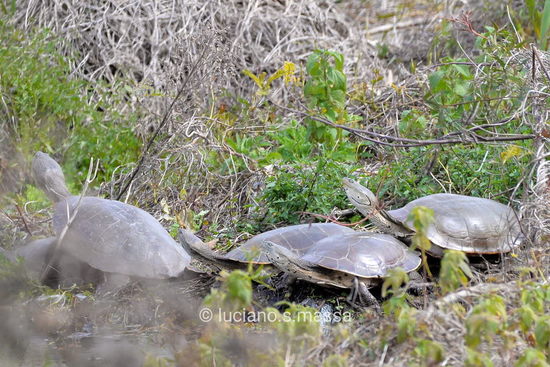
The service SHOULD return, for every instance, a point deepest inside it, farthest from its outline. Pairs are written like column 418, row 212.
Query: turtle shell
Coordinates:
column 298, row 238
column 116, row 237
column 363, row 254
column 466, row 223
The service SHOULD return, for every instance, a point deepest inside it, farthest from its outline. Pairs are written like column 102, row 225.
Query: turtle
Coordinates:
column 470, row 224
column 358, row 261
column 296, row 238
column 108, row 235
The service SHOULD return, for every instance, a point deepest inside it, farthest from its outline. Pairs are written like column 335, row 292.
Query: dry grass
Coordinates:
column 142, row 40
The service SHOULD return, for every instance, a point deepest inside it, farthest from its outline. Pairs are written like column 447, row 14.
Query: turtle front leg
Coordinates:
column 112, row 283
column 417, row 284
column 366, row 298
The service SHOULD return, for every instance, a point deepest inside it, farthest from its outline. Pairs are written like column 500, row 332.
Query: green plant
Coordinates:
column 393, row 282
column 487, row 319
column 429, row 352
column 422, row 217
column 326, row 92
column 297, row 326
column 413, row 124
column 403, row 314
column 235, row 292
column 540, row 20
column 326, row 86
column 542, row 333
column 532, row 357
column 299, row 189
column 54, row 111
column 479, row 170
column 455, row 271
column 477, row 359
column 450, row 94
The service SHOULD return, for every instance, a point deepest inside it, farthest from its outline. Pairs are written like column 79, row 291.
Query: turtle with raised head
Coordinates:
column 469, row 224
column 109, row 235
column 357, row 261
column 297, row 238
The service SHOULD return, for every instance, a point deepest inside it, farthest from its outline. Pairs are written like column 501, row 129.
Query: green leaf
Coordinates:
column 477, row 359
column 313, row 66
column 339, row 97
column 239, row 287
column 462, row 69
column 542, row 332
column 455, row 271
column 532, row 357
column 461, row 89
column 338, row 60
column 545, row 26
column 430, row 352
column 315, row 89
column 526, row 317
column 395, row 278
column 436, row 80
column 337, row 79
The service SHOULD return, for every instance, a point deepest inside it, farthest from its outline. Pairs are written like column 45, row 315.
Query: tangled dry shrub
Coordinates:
column 140, row 40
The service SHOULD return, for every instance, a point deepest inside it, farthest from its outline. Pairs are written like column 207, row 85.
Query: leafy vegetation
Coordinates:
column 298, row 190
column 57, row 113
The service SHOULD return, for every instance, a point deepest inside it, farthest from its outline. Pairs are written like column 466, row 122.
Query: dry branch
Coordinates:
column 465, row 137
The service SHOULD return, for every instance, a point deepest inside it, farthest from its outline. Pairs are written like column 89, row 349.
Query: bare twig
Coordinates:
column 333, row 220
column 163, row 122
column 23, row 219
column 466, row 137
column 541, row 63
column 393, row 26
column 476, row 290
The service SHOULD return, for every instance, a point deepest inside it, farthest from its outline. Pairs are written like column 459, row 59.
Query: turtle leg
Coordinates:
column 366, row 298
column 288, row 282
column 112, row 283
column 417, row 283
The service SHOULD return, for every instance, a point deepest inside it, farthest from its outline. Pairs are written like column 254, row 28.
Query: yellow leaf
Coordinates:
column 165, row 206
column 289, row 69
column 510, row 152
column 258, row 80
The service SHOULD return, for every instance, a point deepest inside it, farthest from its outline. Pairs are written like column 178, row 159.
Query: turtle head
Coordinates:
column 284, row 259
column 276, row 253
column 189, row 241
column 362, row 198
column 49, row 177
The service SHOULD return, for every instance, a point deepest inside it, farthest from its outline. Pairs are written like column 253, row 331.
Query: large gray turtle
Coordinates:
column 109, row 235
column 470, row 224
column 297, row 239
column 355, row 260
